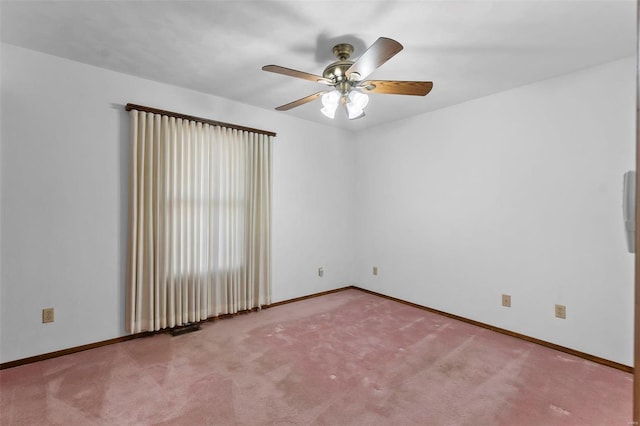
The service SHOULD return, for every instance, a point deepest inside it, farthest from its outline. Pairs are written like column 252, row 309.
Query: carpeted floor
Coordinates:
column 348, row 358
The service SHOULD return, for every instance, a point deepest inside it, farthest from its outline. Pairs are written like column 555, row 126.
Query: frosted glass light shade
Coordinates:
column 356, row 104
column 329, row 111
column 330, row 103
column 331, row 99
column 359, row 99
column 354, row 112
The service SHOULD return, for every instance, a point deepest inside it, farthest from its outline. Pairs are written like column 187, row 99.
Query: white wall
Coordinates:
column 64, row 177
column 517, row 193
column 1, row 197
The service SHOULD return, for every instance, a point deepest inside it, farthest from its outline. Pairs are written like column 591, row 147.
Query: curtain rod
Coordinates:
column 129, row 107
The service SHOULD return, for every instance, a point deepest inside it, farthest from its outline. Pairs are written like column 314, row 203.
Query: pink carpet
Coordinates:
column 348, row 358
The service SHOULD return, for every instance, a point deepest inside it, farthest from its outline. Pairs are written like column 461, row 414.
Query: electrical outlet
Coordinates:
column 320, row 272
column 375, row 270
column 47, row 315
column 561, row 311
column 506, row 300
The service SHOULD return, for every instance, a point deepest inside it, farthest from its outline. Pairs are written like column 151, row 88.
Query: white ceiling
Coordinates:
column 469, row 49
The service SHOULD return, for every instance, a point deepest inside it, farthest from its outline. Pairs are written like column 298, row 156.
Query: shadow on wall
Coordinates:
column 123, row 210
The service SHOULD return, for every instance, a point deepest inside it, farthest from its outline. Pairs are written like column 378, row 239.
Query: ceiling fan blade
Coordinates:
column 302, row 101
column 417, row 88
column 377, row 54
column 294, row 73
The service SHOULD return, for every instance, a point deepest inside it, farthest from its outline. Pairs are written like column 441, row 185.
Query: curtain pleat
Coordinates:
column 199, row 221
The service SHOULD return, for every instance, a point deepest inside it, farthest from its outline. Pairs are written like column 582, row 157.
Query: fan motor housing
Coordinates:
column 337, row 70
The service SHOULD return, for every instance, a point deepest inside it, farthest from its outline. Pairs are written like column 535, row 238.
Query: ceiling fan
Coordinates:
column 348, row 79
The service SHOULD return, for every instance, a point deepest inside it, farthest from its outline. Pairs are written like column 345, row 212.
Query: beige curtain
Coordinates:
column 199, row 221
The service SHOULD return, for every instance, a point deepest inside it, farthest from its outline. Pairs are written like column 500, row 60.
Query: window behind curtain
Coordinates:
column 200, row 221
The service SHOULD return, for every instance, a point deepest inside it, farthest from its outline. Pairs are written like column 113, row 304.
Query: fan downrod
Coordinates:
column 343, row 51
